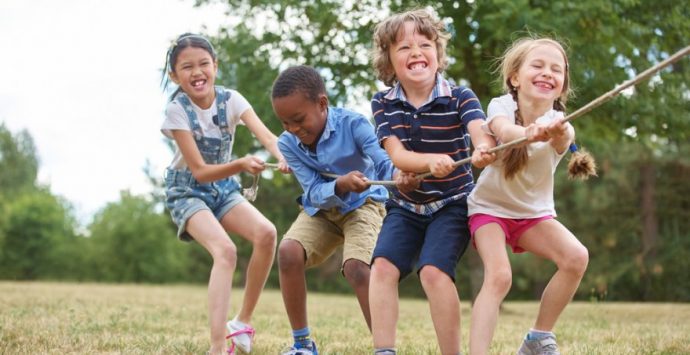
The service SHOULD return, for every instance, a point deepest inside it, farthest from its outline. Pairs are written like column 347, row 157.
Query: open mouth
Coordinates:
column 544, row 85
column 416, row 66
column 198, row 83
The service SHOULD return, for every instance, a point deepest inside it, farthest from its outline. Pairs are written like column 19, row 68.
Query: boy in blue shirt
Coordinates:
column 347, row 210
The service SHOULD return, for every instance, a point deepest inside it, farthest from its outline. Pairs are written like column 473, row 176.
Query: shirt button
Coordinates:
column 415, row 116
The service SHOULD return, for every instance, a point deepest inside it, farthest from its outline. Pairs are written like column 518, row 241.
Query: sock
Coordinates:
column 384, row 351
column 535, row 334
column 302, row 339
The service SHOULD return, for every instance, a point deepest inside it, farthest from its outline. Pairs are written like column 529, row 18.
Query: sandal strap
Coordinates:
column 248, row 330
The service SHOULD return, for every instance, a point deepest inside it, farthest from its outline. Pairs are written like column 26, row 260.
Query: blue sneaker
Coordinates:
column 298, row 350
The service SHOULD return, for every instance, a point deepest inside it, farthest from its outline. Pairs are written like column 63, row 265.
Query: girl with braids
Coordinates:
column 513, row 200
column 203, row 197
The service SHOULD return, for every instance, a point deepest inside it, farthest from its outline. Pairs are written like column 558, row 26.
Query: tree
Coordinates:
column 18, row 162
column 35, row 237
column 131, row 242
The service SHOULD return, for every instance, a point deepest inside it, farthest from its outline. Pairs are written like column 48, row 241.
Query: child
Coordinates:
column 344, row 211
column 513, row 200
column 201, row 194
column 424, row 123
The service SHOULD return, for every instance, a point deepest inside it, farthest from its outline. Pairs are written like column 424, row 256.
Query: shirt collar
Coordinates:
column 442, row 88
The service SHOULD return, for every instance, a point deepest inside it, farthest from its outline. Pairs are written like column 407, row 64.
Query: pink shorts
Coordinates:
column 512, row 228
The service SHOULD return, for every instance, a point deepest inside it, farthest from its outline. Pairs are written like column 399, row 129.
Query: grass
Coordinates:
column 69, row 318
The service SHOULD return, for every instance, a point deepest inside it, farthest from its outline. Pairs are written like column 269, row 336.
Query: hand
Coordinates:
column 557, row 129
column 283, row 167
column 440, row 165
column 405, row 182
column 252, row 164
column 536, row 132
column 481, row 156
column 354, row 181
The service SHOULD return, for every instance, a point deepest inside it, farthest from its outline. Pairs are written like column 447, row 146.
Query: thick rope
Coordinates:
column 581, row 111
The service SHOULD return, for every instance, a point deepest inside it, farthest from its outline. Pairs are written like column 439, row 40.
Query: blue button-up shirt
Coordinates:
column 347, row 143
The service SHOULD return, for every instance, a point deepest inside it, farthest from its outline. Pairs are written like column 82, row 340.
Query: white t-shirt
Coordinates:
column 529, row 194
column 176, row 118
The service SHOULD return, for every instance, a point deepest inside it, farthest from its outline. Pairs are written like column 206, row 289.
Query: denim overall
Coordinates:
column 186, row 196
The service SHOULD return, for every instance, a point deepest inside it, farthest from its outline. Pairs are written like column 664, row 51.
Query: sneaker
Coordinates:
column 295, row 350
column 241, row 335
column 543, row 346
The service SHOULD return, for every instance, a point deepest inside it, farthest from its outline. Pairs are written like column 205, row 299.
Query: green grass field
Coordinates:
column 64, row 318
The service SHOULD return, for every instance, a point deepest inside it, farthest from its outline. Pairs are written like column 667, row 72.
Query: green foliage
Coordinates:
column 18, row 162
column 132, row 242
column 36, row 237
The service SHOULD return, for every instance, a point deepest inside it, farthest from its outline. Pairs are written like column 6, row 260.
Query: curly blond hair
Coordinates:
column 386, row 34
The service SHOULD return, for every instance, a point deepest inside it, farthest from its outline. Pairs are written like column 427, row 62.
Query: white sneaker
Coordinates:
column 241, row 335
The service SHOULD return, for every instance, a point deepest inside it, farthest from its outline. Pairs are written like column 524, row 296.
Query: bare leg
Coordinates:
column 551, row 240
column 383, row 300
column 357, row 275
column 490, row 241
column 444, row 304
column 293, row 284
column 246, row 221
column 206, row 230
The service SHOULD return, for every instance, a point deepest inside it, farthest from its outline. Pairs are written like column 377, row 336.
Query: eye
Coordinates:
column 426, row 45
column 403, row 47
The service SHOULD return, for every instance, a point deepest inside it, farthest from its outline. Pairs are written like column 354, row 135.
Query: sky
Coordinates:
column 83, row 78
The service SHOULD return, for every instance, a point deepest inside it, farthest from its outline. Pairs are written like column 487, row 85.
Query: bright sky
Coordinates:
column 82, row 76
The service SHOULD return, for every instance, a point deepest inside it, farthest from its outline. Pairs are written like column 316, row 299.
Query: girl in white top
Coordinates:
column 512, row 202
column 203, row 197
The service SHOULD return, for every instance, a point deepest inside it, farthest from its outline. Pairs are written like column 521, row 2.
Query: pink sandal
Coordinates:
column 248, row 330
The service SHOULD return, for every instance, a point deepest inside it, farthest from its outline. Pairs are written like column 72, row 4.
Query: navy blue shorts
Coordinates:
column 438, row 240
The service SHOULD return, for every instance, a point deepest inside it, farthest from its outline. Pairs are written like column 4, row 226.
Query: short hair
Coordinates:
column 300, row 78
column 386, row 34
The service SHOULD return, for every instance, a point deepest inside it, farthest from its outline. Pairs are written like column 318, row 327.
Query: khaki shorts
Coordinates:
column 322, row 233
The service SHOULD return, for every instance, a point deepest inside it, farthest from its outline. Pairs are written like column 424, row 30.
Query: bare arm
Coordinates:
column 265, row 136
column 481, row 142
column 203, row 172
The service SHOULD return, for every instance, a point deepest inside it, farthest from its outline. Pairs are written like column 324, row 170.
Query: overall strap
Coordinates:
column 222, row 97
column 183, row 99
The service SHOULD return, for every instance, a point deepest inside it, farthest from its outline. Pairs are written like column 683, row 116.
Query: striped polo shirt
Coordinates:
column 439, row 126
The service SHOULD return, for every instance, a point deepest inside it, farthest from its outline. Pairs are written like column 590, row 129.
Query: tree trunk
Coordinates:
column 650, row 225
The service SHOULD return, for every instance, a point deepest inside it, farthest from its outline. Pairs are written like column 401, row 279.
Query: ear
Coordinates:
column 323, row 102
column 514, row 81
column 174, row 78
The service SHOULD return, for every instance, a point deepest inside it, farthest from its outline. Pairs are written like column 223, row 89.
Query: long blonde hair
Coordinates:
column 386, row 34
column 515, row 159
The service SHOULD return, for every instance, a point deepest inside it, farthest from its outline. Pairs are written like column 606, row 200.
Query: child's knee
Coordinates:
column 266, row 237
column 576, row 261
column 290, row 255
column 383, row 270
column 356, row 272
column 225, row 255
column 432, row 277
column 499, row 281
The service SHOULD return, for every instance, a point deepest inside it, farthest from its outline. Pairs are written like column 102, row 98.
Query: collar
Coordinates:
column 441, row 89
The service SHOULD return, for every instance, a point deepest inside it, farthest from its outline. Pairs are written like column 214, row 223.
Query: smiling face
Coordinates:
column 542, row 74
column 195, row 73
column 301, row 116
column 414, row 58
